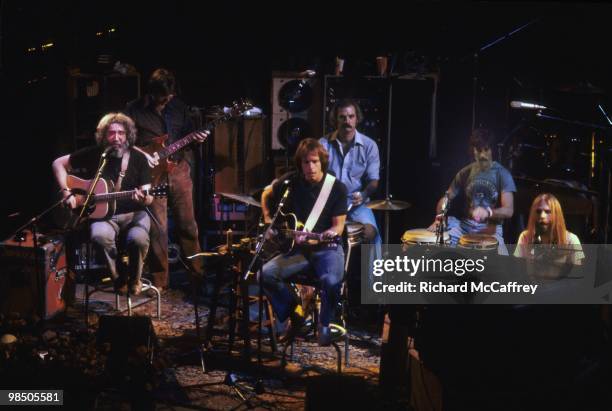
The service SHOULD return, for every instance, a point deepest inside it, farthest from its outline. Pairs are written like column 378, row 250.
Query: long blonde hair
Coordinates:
column 558, row 229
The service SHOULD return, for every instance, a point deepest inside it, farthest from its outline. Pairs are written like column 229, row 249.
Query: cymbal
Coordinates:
column 246, row 199
column 554, row 184
column 388, row 205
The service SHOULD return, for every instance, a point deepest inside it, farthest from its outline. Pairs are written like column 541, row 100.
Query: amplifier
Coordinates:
column 32, row 280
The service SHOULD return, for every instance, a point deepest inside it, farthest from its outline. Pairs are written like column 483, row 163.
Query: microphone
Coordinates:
column 107, row 150
column 284, row 197
column 537, row 236
column 528, row 106
column 203, row 254
column 445, row 204
column 307, row 73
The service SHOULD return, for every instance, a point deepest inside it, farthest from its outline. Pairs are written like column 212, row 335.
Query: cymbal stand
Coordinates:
column 608, row 177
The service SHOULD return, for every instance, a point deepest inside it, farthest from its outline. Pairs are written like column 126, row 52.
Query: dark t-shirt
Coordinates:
column 85, row 162
column 174, row 121
column 302, row 197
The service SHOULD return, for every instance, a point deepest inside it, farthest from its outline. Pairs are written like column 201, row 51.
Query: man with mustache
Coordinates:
column 546, row 225
column 116, row 133
column 354, row 159
column 489, row 190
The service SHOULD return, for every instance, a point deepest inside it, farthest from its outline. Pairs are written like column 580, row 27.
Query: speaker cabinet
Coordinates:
column 296, row 108
column 240, row 156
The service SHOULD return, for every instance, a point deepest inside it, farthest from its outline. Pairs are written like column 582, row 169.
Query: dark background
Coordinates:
column 220, row 53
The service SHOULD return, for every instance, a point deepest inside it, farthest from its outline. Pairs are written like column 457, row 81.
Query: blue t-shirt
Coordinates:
column 483, row 188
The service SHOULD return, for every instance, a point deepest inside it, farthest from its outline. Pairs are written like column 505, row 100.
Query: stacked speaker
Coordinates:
column 296, row 111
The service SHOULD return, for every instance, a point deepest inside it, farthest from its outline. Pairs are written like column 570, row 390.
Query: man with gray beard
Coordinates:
column 115, row 137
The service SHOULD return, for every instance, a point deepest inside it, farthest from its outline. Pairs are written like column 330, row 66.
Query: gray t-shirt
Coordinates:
column 483, row 188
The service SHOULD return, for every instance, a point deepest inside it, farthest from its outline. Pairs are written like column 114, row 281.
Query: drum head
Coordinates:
column 354, row 228
column 421, row 236
column 478, row 241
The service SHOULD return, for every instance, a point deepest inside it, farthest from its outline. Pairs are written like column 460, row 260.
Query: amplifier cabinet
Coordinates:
column 32, row 281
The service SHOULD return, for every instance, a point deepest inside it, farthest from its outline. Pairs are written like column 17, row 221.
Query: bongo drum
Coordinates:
column 484, row 242
column 422, row 236
column 354, row 232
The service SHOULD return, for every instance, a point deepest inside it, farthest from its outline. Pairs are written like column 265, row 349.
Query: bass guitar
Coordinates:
column 160, row 151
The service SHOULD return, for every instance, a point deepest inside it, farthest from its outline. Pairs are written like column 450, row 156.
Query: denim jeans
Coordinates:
column 325, row 264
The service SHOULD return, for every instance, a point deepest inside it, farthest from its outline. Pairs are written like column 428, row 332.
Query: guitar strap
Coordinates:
column 124, row 164
column 320, row 203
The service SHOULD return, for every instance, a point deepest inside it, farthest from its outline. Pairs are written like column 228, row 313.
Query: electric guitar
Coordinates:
column 104, row 202
column 289, row 229
column 158, row 149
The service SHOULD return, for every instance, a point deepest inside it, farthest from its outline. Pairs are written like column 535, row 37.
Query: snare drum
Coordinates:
column 422, row 236
column 483, row 242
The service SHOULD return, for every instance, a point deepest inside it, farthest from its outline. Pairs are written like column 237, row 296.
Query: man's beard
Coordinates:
column 118, row 152
column 484, row 164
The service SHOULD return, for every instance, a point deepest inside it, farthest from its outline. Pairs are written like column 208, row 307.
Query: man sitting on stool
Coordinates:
column 307, row 192
column 115, row 137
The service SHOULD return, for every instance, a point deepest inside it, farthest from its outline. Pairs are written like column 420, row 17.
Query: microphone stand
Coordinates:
column 259, row 388
column 89, row 197
column 88, row 200
column 443, row 224
column 476, row 56
column 258, row 250
column 606, row 186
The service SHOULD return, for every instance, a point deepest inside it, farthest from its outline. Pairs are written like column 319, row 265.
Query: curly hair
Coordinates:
column 307, row 146
column 481, row 139
column 347, row 102
column 119, row 118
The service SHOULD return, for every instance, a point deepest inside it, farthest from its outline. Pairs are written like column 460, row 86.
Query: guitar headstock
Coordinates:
column 240, row 107
column 159, row 191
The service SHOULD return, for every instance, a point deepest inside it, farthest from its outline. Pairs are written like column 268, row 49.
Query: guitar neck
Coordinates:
column 119, row 195
column 307, row 234
column 190, row 138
